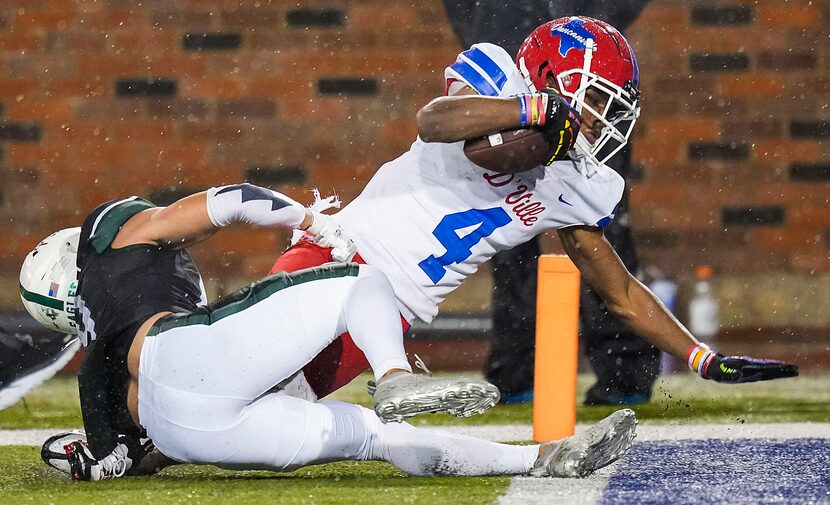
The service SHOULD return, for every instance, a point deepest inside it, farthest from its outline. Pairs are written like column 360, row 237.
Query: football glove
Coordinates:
column 325, row 231
column 550, row 112
column 562, row 126
column 736, row 369
column 739, row 369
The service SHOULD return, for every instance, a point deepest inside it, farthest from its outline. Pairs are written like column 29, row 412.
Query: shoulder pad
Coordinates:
column 484, row 67
column 108, row 219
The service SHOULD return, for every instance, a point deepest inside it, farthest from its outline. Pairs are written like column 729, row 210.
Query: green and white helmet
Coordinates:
column 49, row 281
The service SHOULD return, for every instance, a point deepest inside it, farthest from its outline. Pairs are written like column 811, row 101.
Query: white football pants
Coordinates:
column 206, row 381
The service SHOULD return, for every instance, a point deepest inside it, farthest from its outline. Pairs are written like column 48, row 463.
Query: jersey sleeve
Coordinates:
column 488, row 69
column 587, row 201
column 97, row 233
column 92, row 388
column 111, row 218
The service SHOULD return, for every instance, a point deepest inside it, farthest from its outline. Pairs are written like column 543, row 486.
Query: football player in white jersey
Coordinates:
column 429, row 218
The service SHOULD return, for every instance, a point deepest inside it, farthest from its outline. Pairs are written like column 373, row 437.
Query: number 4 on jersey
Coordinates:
column 458, row 248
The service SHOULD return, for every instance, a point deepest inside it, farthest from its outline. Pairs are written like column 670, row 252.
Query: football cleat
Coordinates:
column 54, row 451
column 403, row 395
column 81, row 462
column 582, row 454
column 69, row 453
column 31, row 360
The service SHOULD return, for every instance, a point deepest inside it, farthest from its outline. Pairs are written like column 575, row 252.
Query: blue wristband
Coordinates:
column 523, row 107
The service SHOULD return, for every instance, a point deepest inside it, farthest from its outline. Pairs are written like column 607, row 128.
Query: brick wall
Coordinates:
column 102, row 99
column 733, row 139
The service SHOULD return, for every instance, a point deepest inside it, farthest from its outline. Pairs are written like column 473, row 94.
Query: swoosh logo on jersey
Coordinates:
column 561, row 199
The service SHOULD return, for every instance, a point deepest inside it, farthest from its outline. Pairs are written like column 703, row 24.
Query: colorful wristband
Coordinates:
column 699, row 358
column 532, row 107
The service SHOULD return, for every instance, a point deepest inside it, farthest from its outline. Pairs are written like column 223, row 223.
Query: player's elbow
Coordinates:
column 434, row 122
column 428, row 122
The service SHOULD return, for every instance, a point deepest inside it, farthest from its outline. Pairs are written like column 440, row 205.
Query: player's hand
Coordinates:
column 562, row 124
column 738, row 369
column 326, row 232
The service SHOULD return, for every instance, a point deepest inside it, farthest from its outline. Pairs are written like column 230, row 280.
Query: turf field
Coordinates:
column 681, row 405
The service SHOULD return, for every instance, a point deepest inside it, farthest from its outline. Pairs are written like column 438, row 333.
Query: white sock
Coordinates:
column 417, row 451
column 283, row 433
column 371, row 317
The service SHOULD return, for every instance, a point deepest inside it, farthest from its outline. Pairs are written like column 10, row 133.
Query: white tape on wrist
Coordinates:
column 246, row 203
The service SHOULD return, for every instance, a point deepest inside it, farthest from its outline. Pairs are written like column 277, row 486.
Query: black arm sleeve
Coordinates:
column 92, row 386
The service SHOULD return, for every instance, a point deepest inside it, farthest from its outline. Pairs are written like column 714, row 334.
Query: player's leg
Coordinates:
column 370, row 314
column 282, row 433
column 341, row 361
column 247, row 342
column 259, row 336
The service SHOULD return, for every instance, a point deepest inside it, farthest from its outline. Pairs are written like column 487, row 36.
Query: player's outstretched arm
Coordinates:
column 637, row 307
column 198, row 216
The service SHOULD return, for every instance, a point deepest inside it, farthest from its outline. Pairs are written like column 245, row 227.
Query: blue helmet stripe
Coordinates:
column 636, row 78
column 489, row 66
column 474, row 78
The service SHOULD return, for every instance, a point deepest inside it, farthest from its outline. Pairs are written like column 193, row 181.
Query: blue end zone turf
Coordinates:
column 723, row 471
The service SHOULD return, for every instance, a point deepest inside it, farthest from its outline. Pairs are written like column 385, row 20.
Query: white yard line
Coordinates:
column 518, row 432
column 588, row 491
column 674, row 431
column 27, row 437
column 533, row 491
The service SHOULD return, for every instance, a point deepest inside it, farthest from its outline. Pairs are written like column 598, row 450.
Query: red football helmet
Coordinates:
column 581, row 53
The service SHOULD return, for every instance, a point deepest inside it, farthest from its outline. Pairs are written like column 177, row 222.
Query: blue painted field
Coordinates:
column 732, row 472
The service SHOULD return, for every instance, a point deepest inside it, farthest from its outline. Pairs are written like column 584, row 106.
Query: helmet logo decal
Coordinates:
column 572, row 35
column 53, row 289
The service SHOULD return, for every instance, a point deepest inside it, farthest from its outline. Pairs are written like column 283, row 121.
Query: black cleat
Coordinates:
column 27, row 361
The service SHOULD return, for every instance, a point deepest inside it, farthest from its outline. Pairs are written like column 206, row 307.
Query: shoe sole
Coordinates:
column 460, row 400
column 600, row 446
column 21, row 386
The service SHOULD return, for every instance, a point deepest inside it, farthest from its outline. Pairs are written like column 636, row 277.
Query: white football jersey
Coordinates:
column 429, row 218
